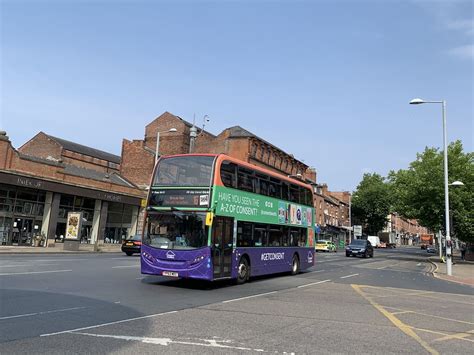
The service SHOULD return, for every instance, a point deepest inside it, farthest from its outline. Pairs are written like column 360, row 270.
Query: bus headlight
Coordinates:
column 148, row 257
column 197, row 259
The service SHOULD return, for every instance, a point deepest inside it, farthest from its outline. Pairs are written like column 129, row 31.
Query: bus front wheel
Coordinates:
column 243, row 273
column 295, row 265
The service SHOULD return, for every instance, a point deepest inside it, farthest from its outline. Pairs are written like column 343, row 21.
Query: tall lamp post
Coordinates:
column 449, row 262
column 171, row 130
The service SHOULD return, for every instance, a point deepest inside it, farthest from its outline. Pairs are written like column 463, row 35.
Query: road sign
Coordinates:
column 357, row 231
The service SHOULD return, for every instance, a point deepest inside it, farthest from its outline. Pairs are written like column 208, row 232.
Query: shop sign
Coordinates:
column 29, row 183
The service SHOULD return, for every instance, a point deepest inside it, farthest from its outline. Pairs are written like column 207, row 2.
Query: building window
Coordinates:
column 119, row 222
column 71, row 203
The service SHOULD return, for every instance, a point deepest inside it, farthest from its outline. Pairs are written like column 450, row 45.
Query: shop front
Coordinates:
column 33, row 212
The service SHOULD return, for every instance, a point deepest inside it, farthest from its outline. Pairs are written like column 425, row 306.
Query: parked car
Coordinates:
column 431, row 249
column 360, row 247
column 325, row 245
column 132, row 245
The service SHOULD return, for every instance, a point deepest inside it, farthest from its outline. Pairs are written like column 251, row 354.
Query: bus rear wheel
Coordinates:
column 295, row 265
column 243, row 271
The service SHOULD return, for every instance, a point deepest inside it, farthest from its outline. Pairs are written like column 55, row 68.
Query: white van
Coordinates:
column 374, row 240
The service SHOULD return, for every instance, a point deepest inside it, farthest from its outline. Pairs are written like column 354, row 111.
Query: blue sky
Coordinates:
column 328, row 81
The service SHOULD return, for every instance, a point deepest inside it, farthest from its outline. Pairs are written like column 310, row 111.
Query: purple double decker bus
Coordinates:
column 214, row 217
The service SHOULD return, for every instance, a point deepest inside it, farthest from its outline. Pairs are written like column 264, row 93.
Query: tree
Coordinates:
column 418, row 192
column 371, row 203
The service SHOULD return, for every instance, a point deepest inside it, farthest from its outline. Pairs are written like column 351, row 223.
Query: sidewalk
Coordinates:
column 58, row 249
column 463, row 271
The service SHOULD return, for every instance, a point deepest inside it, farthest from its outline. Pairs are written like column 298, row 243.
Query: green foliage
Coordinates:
column 418, row 192
column 371, row 203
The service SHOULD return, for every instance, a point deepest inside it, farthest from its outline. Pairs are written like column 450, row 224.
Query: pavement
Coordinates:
column 462, row 271
column 58, row 249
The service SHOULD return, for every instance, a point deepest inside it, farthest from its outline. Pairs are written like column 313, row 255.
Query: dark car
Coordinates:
column 431, row 249
column 360, row 247
column 132, row 244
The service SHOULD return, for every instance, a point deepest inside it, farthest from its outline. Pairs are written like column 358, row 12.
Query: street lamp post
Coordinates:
column 449, row 263
column 171, row 130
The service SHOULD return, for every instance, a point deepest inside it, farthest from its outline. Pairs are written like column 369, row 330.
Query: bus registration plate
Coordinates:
column 169, row 273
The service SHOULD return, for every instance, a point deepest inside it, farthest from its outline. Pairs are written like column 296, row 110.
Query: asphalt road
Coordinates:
column 101, row 303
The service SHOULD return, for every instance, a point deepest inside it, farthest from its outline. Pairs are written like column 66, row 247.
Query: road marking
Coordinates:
column 105, row 324
column 40, row 313
column 383, row 267
column 33, row 272
column 397, row 322
column 345, row 277
column 140, row 278
column 167, row 341
column 457, row 336
column 32, row 265
column 402, row 312
column 124, row 266
column 244, row 298
column 313, row 283
column 317, row 271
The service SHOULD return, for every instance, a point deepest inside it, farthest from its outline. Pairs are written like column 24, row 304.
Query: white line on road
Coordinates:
column 314, row 283
column 124, row 266
column 386, row 266
column 33, row 272
column 32, row 265
column 317, row 271
column 125, row 258
column 44, row 312
column 167, row 341
column 244, row 298
column 105, row 324
column 345, row 277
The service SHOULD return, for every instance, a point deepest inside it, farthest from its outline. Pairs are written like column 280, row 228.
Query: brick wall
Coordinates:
column 42, row 146
column 137, row 162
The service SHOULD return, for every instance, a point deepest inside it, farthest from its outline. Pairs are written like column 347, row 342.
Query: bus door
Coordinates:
column 222, row 239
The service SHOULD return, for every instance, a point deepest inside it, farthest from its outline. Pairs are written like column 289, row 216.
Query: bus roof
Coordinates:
column 221, row 157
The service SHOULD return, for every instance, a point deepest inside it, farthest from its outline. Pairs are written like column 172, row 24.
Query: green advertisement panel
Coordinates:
column 251, row 207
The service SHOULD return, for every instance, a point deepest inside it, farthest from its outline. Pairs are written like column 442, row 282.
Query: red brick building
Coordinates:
column 332, row 211
column 48, row 178
column 138, row 156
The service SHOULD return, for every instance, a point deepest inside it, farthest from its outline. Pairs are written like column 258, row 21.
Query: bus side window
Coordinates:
column 275, row 237
column 309, row 197
column 284, row 192
column 262, row 184
column 285, row 237
column 294, row 194
column 275, row 188
column 245, row 180
column 244, row 234
column 228, row 174
column 260, row 235
column 294, row 237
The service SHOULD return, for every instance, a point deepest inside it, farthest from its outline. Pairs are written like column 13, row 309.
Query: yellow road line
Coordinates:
column 397, row 322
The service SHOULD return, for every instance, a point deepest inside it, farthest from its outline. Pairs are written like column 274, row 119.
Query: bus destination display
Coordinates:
column 179, row 198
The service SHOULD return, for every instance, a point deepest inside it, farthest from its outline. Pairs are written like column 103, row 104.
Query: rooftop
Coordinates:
column 82, row 149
